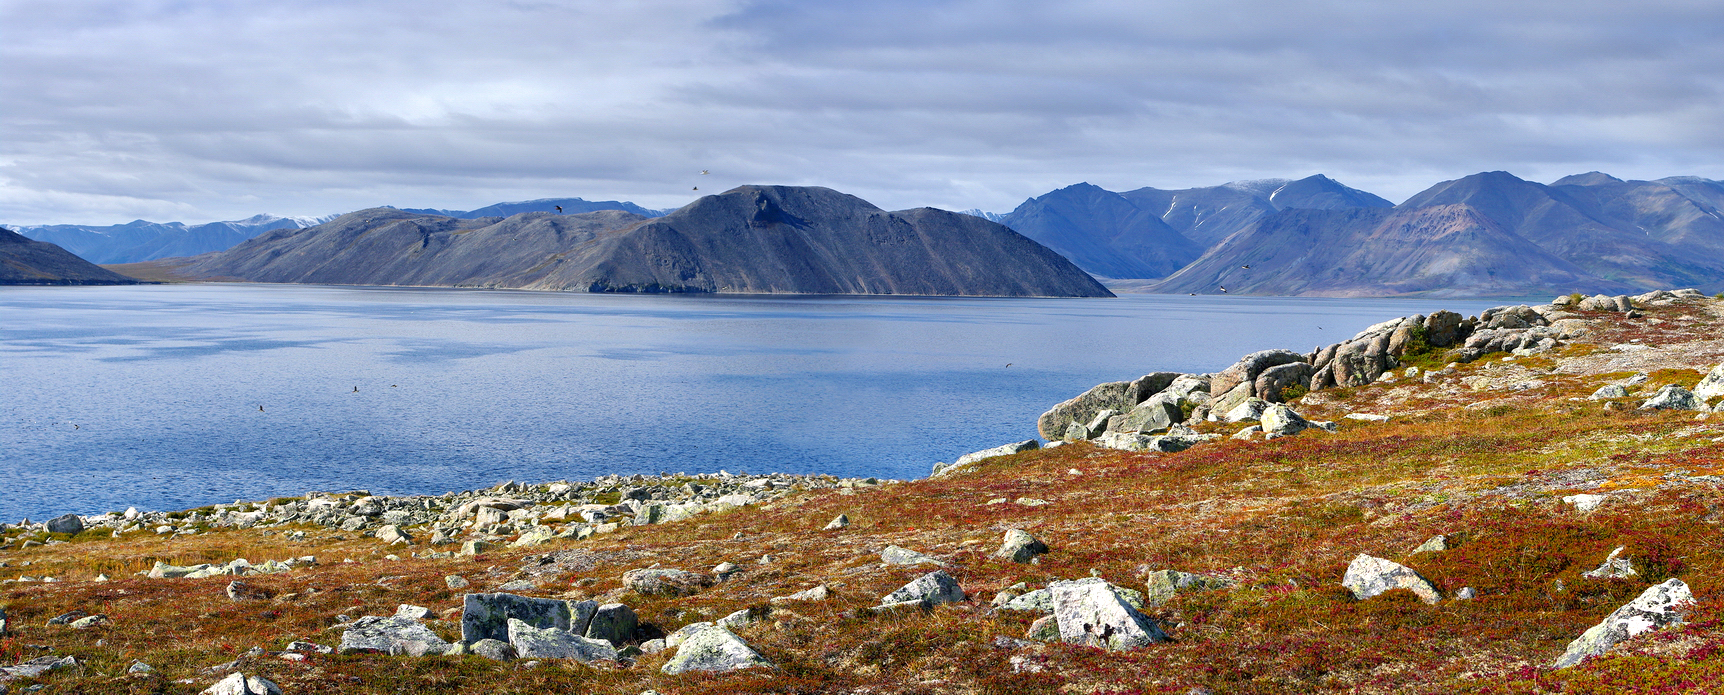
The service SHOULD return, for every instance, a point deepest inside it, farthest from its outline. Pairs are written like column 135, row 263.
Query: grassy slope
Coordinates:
column 1284, row 517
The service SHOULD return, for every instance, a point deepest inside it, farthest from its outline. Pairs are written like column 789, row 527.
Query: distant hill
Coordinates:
column 1449, row 250
column 25, row 261
column 752, row 239
column 1208, row 215
column 140, row 240
column 569, row 205
column 1103, row 233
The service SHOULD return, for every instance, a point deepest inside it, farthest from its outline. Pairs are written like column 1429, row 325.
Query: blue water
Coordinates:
column 148, row 396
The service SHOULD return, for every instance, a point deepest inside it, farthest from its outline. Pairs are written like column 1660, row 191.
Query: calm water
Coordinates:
column 149, row 396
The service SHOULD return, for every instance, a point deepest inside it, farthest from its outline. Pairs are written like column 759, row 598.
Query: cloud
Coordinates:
column 221, row 109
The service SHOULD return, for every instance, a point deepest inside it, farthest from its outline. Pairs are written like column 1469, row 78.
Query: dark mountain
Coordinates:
column 1450, row 250
column 754, row 239
column 569, row 205
column 25, row 261
column 140, row 240
column 1640, row 233
column 1103, row 233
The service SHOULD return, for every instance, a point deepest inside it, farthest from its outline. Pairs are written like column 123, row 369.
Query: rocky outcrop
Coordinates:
column 1090, row 613
column 1655, row 608
column 1020, row 546
column 391, row 635
column 928, row 590
column 550, row 643
column 1369, row 576
column 712, row 648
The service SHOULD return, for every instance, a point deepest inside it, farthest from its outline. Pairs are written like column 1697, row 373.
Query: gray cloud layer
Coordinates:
column 203, row 109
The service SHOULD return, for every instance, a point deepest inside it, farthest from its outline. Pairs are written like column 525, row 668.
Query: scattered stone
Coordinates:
column 302, row 647
column 518, row 585
column 550, row 643
column 1585, row 502
column 66, row 618
column 1369, row 576
column 613, row 622
column 393, row 534
column 486, row 616
column 741, row 618
column 475, row 547
column 412, row 612
column 66, row 523
column 819, row 593
column 1249, row 432
column 974, row 456
column 1044, row 629
column 713, row 648
column 1607, row 392
column 1614, row 567
column 1673, row 397
column 1367, row 417
column 494, row 649
column 241, row 684
column 1436, row 544
column 1039, row 601
column 1712, row 386
column 139, row 667
column 393, row 635
column 1090, row 613
column 894, row 555
column 1466, row 594
column 1279, row 420
column 665, row 582
column 242, row 591
column 1655, row 608
column 38, row 666
column 929, row 590
column 456, row 582
column 1161, row 585
column 88, row 622
column 838, row 523
column 1019, row 546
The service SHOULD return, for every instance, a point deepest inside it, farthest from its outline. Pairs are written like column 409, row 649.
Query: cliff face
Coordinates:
column 752, row 239
column 25, row 261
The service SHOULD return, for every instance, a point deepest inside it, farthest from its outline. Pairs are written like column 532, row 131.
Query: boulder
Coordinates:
column 929, row 590
column 550, row 643
column 894, row 555
column 841, row 522
column 1019, row 546
column 1118, row 396
column 713, row 648
column 455, row 582
column 1436, row 544
column 393, row 535
column 1280, row 420
column 1245, row 371
column 1673, row 397
column 66, row 523
column 1090, row 613
column 391, row 635
column 486, row 616
column 1270, row 383
column 1655, row 608
column 36, row 667
column 612, row 622
column 1584, row 502
column 493, row 649
column 1251, row 410
column 1369, row 576
column 1161, row 585
column 1712, row 386
column 1443, row 329
column 241, row 684
column 1002, row 450
column 242, row 591
column 1614, row 567
column 1230, row 401
column 819, row 593
column 1160, row 412
column 1038, row 601
column 412, row 612
column 665, row 582
column 1608, row 391
column 1132, row 441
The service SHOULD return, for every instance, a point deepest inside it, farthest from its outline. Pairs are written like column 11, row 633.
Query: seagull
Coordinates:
column 702, row 172
column 559, row 209
column 260, row 409
column 76, row 427
column 1223, row 290
column 1008, row 364
column 356, row 389
column 1247, row 267
column 697, row 188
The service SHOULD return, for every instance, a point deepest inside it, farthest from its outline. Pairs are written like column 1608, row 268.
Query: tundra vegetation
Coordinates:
column 1513, row 506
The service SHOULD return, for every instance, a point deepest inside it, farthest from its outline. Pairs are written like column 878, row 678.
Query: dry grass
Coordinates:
column 1284, row 517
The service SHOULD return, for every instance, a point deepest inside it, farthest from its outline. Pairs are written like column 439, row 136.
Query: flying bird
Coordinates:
column 1008, row 364
column 1247, row 267
column 1223, row 290
column 702, row 172
column 356, row 389
column 260, row 409
column 697, row 188
column 559, row 209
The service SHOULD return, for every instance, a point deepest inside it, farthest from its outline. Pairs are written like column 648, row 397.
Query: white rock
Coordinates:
column 1655, row 608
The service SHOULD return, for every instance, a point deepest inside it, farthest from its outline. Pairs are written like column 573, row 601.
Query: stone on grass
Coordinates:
column 1607, row 392
column 1252, row 409
column 1584, row 502
column 486, row 616
column 1038, row 600
column 1673, row 397
column 412, row 612
column 390, row 635
column 894, row 555
column 1279, row 421
column 819, row 593
column 613, row 622
column 1712, row 386
column 1090, row 613
column 139, row 667
column 1466, row 594
column 455, row 581
column 493, row 649
column 665, row 582
column 393, row 534
column 1369, row 576
column 1366, row 417
column 1436, row 544
column 38, row 666
column 1020, row 546
column 1044, row 629
column 89, row 621
column 551, row 643
column 66, row 523
column 929, row 590
column 1161, row 585
column 304, row 647
column 974, row 456
column 475, row 547
column 713, row 648
column 241, row 684
column 1614, row 567
column 838, row 523
column 242, row 591
column 1655, row 608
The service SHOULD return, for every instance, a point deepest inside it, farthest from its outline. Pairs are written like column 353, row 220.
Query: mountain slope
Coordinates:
column 568, row 205
column 1103, row 233
column 765, row 239
column 1450, row 250
column 25, row 261
column 140, row 240
column 1210, row 214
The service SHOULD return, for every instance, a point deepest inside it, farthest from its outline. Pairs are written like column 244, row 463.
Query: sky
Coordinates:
column 203, row 110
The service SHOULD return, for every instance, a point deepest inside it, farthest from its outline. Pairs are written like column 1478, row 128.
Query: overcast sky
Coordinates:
column 201, row 110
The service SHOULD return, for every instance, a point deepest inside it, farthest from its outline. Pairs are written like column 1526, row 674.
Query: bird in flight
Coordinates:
column 559, row 209
column 356, row 389
column 702, row 172
column 1247, row 267
column 260, row 409
column 697, row 188
column 1223, row 290
column 1008, row 364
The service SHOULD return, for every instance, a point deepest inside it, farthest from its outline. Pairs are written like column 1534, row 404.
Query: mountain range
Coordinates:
column 25, row 261
column 751, row 239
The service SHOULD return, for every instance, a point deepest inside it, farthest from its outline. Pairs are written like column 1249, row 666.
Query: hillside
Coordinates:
column 1524, row 498
column 140, row 240
column 752, row 239
column 25, row 261
column 1451, row 250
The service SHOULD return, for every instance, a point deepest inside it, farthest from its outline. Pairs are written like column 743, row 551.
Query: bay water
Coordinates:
column 175, row 396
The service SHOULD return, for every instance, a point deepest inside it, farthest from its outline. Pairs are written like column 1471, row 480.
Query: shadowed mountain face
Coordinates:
column 24, row 261
column 568, row 205
column 1103, row 233
column 1646, row 234
column 1450, row 250
column 766, row 239
column 144, row 241
column 1208, row 215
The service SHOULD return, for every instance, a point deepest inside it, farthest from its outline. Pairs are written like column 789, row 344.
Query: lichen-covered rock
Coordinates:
column 1614, row 567
column 1278, row 420
column 613, row 622
column 1246, row 370
column 1019, row 546
column 1712, row 386
column 894, row 555
column 550, row 643
column 1436, row 544
column 1608, row 391
column 486, row 616
column 66, row 523
column 1251, row 410
column 1673, row 397
column 493, row 649
column 931, row 589
column 665, row 582
column 713, row 648
column 390, row 635
column 1369, row 576
column 1161, row 585
column 1655, row 608
column 1002, row 450
column 1090, row 613
column 241, row 684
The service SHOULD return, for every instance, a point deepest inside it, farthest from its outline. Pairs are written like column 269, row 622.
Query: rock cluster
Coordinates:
column 1655, row 608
